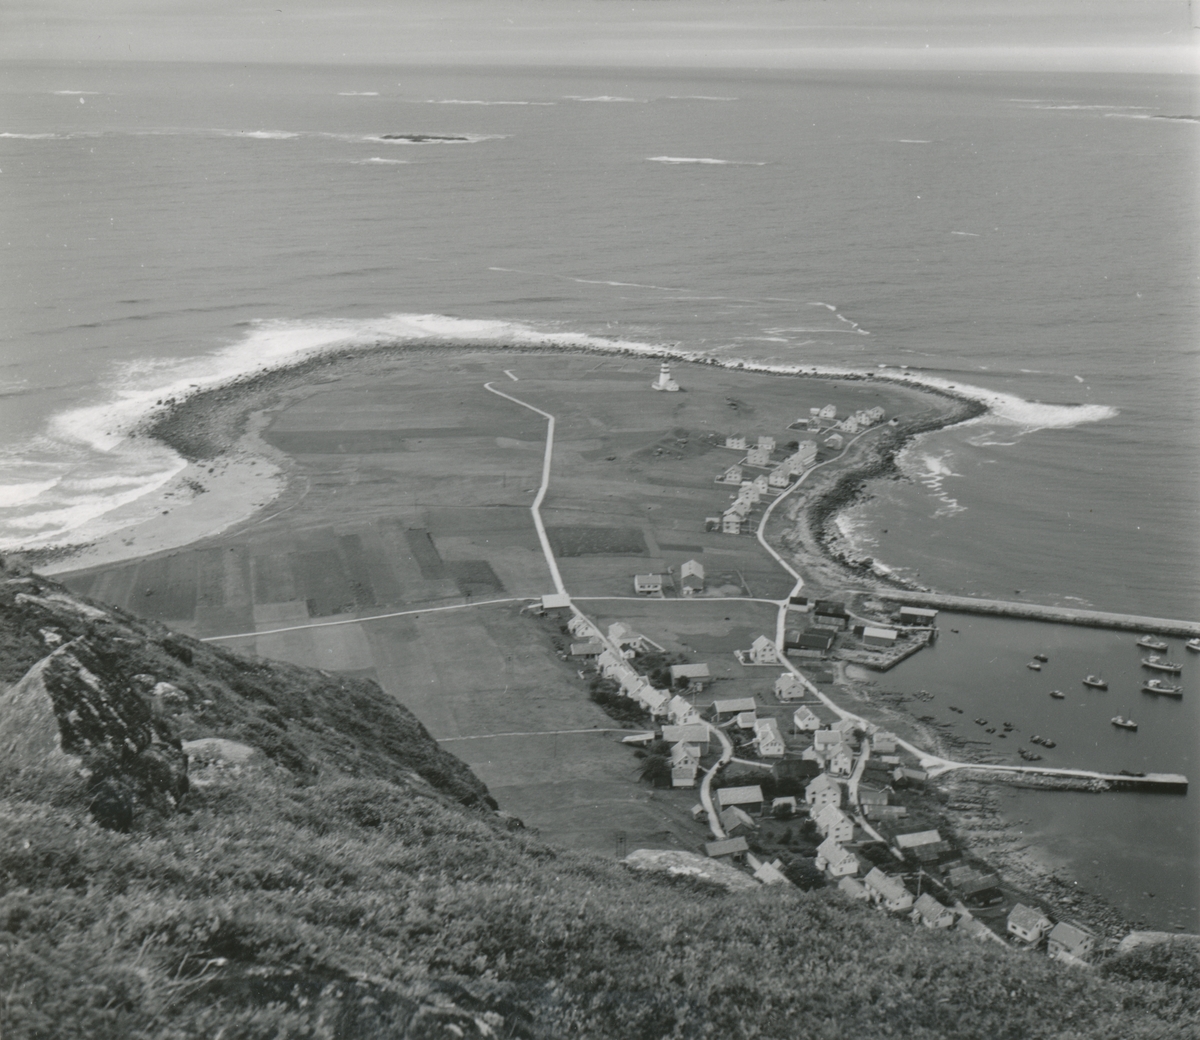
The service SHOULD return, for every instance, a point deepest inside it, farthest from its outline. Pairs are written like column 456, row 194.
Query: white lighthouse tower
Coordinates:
column 664, row 380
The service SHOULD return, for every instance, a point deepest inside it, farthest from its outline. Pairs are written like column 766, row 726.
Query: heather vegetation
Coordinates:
column 363, row 889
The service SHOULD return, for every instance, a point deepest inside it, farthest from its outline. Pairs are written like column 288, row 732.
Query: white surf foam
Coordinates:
column 75, row 93
column 912, row 140
column 605, row 97
column 358, row 93
column 698, row 97
column 683, row 160
column 29, row 137
column 462, row 101
column 377, row 159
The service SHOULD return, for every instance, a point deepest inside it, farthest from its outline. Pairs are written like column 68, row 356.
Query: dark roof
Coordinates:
column 798, row 768
column 831, row 607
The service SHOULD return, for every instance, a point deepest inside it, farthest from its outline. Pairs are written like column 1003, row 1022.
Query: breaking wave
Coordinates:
column 680, row 160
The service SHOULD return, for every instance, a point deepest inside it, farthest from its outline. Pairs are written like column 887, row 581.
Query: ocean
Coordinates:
column 1029, row 239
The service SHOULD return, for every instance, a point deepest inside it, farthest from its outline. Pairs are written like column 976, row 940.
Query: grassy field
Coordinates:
column 410, row 490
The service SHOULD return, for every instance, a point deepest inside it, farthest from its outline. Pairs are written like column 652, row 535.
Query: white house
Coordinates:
column 684, row 755
column 770, row 740
column 805, row 720
column 1027, row 924
column 840, row 760
column 779, row 477
column 837, row 860
column 828, row 412
column 733, row 475
column 648, row 584
column 749, row 493
column 580, row 627
column 848, row 728
column 691, row 578
column 883, row 742
column 882, row 637
column 887, row 890
column 684, row 776
column 733, row 706
column 761, row 484
column 768, row 873
column 931, row 913
column 853, row 888
column 681, row 711
column 824, row 739
column 737, row 441
column 835, row 441
column 758, row 457
column 1070, row 943
column 765, row 441
column 746, row 720
column 821, row 791
column 620, row 633
column 763, row 651
column 731, row 519
column 835, row 824
column 789, row 688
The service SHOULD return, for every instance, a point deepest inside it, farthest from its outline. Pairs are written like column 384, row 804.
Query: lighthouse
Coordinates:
column 664, row 380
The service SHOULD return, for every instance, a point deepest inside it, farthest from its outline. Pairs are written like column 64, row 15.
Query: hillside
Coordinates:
column 198, row 844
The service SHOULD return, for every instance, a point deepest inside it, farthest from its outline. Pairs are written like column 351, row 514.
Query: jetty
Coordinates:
column 1161, row 783
column 1038, row 612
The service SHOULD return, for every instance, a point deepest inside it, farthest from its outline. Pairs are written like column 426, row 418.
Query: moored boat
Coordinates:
column 1029, row 756
column 1058, row 695
column 1159, row 665
column 1041, row 657
column 1193, row 645
column 1095, row 682
column 1123, row 723
column 1035, row 665
column 1150, row 643
column 1159, row 686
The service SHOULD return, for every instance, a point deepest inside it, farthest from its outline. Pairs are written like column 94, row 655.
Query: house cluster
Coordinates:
column 816, row 639
column 742, row 712
column 826, row 419
column 751, row 490
column 691, row 581
column 613, row 654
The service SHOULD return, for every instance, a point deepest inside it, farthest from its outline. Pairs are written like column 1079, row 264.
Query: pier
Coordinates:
column 1037, row 612
column 1161, row 783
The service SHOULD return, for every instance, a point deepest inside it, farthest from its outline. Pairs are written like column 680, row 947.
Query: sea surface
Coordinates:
column 1027, row 239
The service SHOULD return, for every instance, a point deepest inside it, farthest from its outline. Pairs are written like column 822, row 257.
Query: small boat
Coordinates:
column 1193, row 645
column 1007, row 725
column 981, row 722
column 1058, row 695
column 1159, row 665
column 1029, row 756
column 1159, row 686
column 1034, row 665
column 953, row 708
column 1049, row 743
column 1003, row 735
column 990, row 729
column 1150, row 643
column 1041, row 657
column 1095, row 682
column 1123, row 723
column 1126, row 772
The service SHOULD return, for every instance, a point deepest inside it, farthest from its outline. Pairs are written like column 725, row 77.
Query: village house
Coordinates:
column 746, row 720
column 770, row 740
column 594, row 649
column 1027, row 924
column 884, row 812
column 917, row 616
column 974, row 887
column 695, row 674
column 840, row 760
column 835, row 824
column 909, row 776
column 881, row 637
column 648, row 584
column 732, row 518
column 849, row 425
column 804, row 720
column 691, row 578
column 736, row 821
column 750, row 493
column 733, row 706
column 888, row 891
column 848, row 728
column 763, row 651
column 759, row 457
column 789, row 688
column 853, row 888
column 835, row 860
column 883, row 742
column 682, row 711
column 1070, row 944
column 821, row 791
column 736, row 441
column 581, row 627
column 828, row 412
column 835, row 441
column 766, row 441
column 779, row 477
column 824, row 739
column 872, row 795
column 733, row 475
column 748, row 798
column 684, row 755
column 734, row 848
column 931, row 913
column 804, row 456
column 761, row 484
column 684, row 776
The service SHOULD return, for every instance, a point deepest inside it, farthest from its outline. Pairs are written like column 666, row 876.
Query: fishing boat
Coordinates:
column 1123, row 723
column 1002, row 735
column 1150, row 643
column 1049, row 743
column 1159, row 686
column 1058, row 695
column 981, row 722
column 1159, row 665
column 1029, row 756
column 1034, row 665
column 1041, row 657
column 1095, row 682
column 1193, row 645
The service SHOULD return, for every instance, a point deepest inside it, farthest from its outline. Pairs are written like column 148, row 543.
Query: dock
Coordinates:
column 1160, row 783
column 1038, row 612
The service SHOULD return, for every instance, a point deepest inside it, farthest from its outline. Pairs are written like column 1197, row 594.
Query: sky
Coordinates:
column 1115, row 35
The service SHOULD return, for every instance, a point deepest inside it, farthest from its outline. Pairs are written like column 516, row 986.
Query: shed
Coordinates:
column 556, row 601
column 692, row 672
column 746, row 720
column 880, row 636
column 872, row 795
column 736, row 821
column 853, row 888
column 884, row 812
column 735, row 847
column 692, row 732
column 587, row 649
column 917, row 616
column 911, row 841
column 734, row 706
column 1027, row 924
column 786, row 803
column 749, row 798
